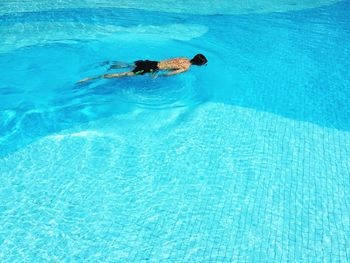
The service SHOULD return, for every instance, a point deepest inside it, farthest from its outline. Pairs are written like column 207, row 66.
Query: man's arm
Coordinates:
column 178, row 71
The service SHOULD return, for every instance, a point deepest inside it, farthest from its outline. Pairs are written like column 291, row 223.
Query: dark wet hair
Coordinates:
column 199, row 60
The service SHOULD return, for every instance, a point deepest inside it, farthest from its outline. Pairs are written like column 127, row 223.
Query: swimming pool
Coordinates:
column 245, row 160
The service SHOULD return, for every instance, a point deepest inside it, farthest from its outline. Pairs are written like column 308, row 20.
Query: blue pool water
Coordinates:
column 244, row 160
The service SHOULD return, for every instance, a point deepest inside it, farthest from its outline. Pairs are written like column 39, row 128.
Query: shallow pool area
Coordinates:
column 244, row 160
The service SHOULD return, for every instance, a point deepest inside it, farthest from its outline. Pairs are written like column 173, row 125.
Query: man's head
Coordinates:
column 199, row 60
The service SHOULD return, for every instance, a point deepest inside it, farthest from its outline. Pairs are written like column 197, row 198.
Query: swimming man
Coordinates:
column 140, row 67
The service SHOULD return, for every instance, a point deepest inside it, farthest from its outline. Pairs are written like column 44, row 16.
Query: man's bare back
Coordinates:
column 174, row 66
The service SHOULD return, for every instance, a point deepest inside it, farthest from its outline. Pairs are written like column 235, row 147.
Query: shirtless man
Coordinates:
column 174, row 65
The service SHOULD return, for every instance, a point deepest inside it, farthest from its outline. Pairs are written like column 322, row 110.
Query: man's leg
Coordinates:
column 119, row 75
column 109, row 76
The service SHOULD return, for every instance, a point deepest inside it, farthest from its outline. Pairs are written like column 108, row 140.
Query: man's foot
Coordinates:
column 85, row 80
column 118, row 65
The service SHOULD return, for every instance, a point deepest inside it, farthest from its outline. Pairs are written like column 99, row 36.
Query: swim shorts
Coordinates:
column 145, row 66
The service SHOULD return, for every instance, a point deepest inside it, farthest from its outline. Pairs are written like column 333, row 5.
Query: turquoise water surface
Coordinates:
column 244, row 160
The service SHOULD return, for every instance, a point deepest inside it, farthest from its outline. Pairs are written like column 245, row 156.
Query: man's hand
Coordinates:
column 175, row 72
column 154, row 75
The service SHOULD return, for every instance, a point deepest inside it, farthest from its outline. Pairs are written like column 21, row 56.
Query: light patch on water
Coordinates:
column 77, row 134
column 85, row 134
column 26, row 34
column 204, row 7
